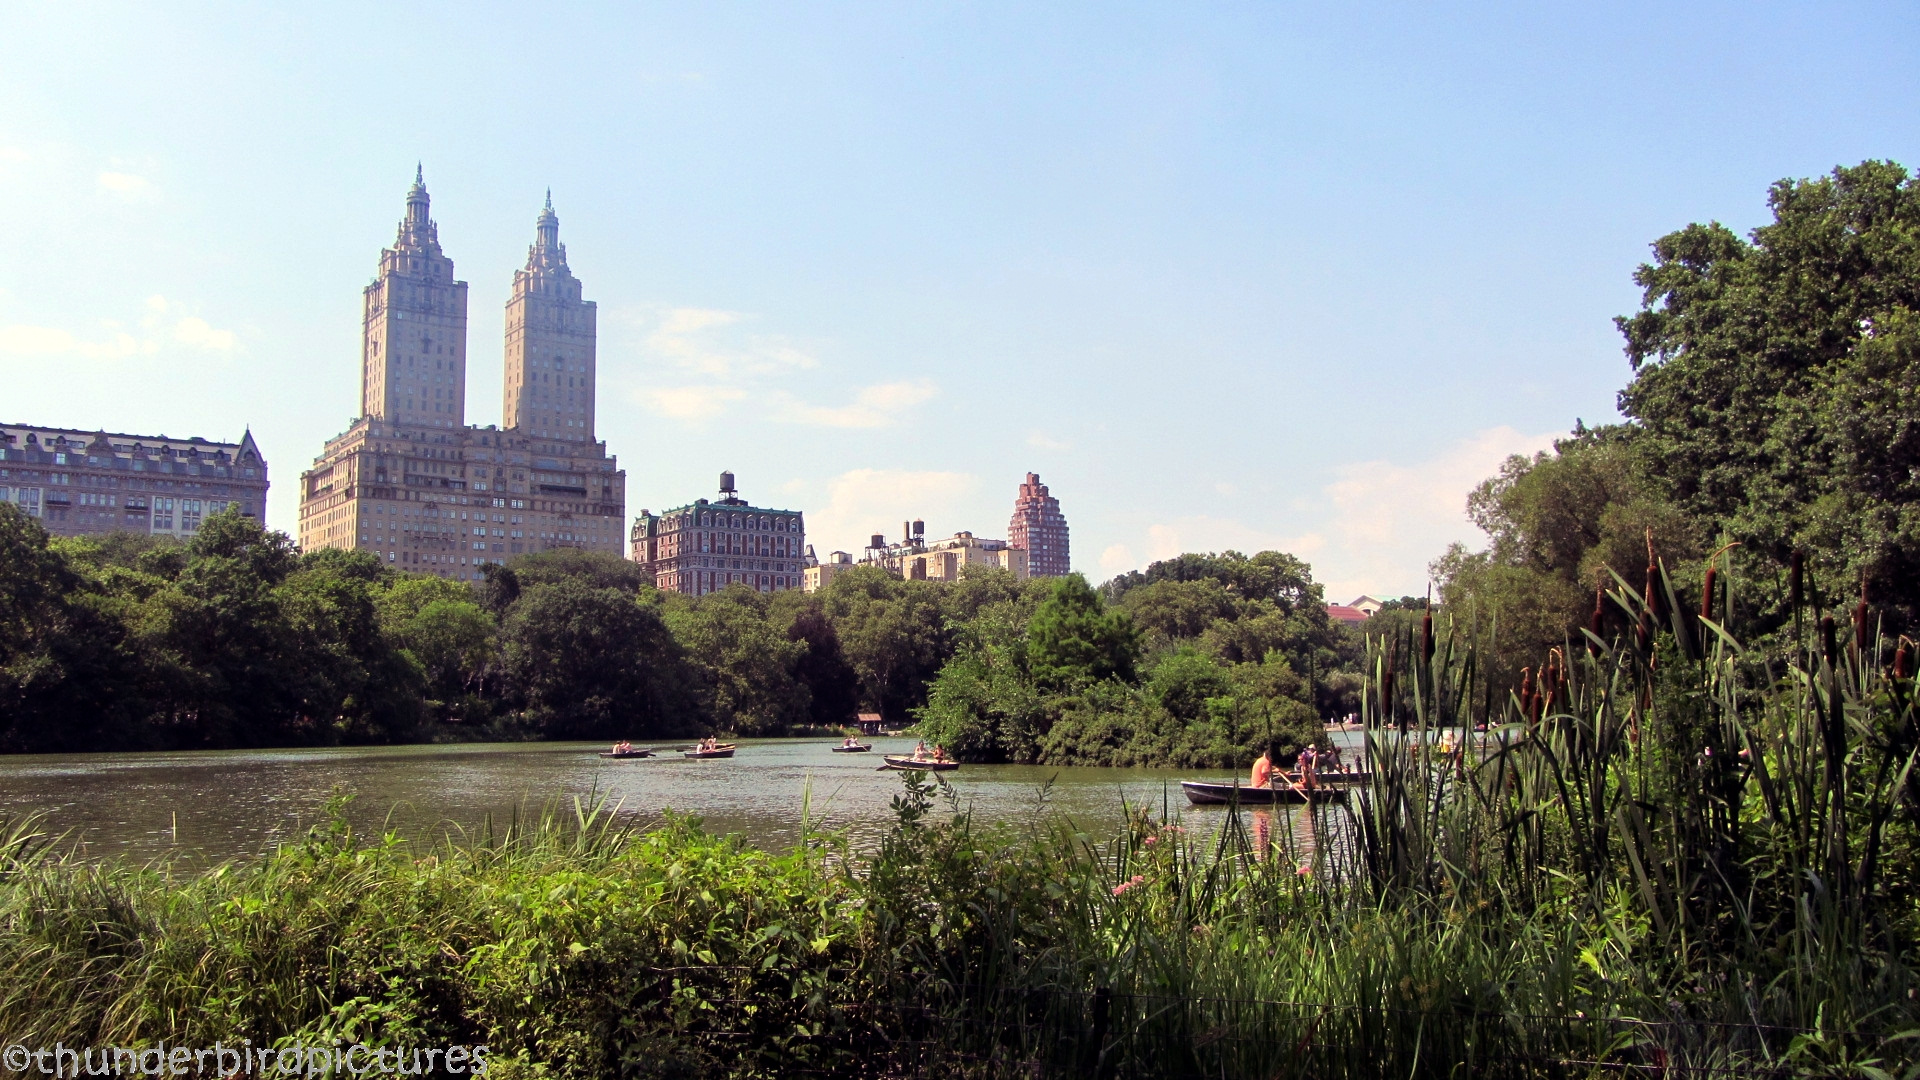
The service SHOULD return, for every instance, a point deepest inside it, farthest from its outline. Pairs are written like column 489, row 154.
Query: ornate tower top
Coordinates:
column 417, row 232
column 547, row 255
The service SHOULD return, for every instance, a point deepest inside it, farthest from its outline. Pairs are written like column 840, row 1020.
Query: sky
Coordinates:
column 1227, row 276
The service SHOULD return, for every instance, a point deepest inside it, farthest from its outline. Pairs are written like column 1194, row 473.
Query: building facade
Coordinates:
column 915, row 558
column 79, row 482
column 818, row 575
column 410, row 479
column 1039, row 529
column 705, row 546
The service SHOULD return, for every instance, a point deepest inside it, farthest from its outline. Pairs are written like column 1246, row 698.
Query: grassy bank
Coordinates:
column 1673, row 856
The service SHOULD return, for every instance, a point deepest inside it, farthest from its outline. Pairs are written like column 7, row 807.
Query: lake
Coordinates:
column 205, row 807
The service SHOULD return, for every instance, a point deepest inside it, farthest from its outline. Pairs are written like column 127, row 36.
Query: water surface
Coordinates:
column 203, row 807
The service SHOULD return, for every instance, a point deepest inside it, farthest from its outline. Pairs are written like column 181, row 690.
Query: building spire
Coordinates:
column 549, row 200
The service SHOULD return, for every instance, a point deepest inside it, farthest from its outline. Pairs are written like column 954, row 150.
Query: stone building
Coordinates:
column 917, row 559
column 79, row 482
column 818, row 575
column 706, row 546
column 1039, row 529
column 410, row 479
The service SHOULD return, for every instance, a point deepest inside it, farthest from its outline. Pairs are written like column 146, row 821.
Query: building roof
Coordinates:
column 20, row 436
column 1346, row 614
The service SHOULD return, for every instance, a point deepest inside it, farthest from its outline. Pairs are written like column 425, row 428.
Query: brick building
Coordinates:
column 79, row 482
column 410, row 479
column 706, row 546
column 1039, row 529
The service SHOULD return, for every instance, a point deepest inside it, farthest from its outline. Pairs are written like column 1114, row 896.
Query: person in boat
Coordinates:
column 939, row 754
column 920, row 751
column 852, row 740
column 1309, row 757
column 1262, row 771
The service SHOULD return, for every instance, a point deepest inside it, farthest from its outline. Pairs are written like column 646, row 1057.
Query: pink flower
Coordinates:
column 1151, row 840
column 1128, row 884
column 1305, row 871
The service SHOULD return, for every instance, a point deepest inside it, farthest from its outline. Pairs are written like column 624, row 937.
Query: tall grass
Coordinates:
column 1666, row 855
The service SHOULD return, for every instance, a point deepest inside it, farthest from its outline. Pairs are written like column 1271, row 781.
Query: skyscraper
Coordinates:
column 1040, row 529
column 410, row 479
column 550, row 343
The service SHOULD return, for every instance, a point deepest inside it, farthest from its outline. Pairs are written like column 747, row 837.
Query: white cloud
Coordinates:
column 131, row 187
column 162, row 324
column 189, row 330
column 866, row 501
column 690, row 402
column 1376, row 528
column 708, row 341
column 873, row 406
column 1390, row 520
column 197, row 333
column 1040, row 441
column 22, row 340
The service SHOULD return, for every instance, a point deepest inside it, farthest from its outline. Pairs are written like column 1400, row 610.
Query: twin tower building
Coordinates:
column 410, row 480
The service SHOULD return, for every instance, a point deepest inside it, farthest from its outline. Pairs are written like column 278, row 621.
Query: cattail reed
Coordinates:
column 1796, row 580
column 1426, row 635
column 1902, row 661
column 1598, row 624
column 1706, row 593
column 1860, row 617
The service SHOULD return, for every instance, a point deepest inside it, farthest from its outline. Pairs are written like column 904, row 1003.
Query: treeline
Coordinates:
column 237, row 639
column 1774, row 406
column 1202, row 660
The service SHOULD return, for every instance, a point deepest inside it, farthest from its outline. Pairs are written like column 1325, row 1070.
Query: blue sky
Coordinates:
column 1225, row 275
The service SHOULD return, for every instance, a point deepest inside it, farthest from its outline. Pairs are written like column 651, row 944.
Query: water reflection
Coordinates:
column 205, row 807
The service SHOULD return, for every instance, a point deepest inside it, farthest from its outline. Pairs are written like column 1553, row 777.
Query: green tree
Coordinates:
column 1775, row 378
column 1073, row 639
column 746, row 664
column 68, row 680
column 894, row 635
column 589, row 662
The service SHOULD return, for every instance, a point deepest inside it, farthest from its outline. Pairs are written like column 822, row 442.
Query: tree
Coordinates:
column 67, row 678
column 589, row 662
column 1775, row 378
column 833, row 687
column 1556, row 523
column 893, row 633
column 745, row 663
column 1073, row 639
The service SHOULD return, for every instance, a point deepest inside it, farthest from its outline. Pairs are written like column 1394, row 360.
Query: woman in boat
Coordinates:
column 852, row 740
column 920, row 751
column 939, row 754
column 1262, row 771
column 1308, row 758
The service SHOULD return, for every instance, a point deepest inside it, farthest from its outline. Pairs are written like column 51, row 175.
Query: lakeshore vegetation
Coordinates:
column 1672, row 856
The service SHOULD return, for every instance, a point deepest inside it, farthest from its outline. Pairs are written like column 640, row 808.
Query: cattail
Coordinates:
column 1796, row 579
column 1526, row 691
column 1598, row 624
column 1706, row 595
column 1827, row 631
column 1426, row 637
column 1860, row 617
column 1902, row 663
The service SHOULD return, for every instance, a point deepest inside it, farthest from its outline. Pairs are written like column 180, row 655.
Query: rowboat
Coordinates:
column 626, row 753
column 856, row 748
column 723, row 750
column 1204, row 793
column 907, row 763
